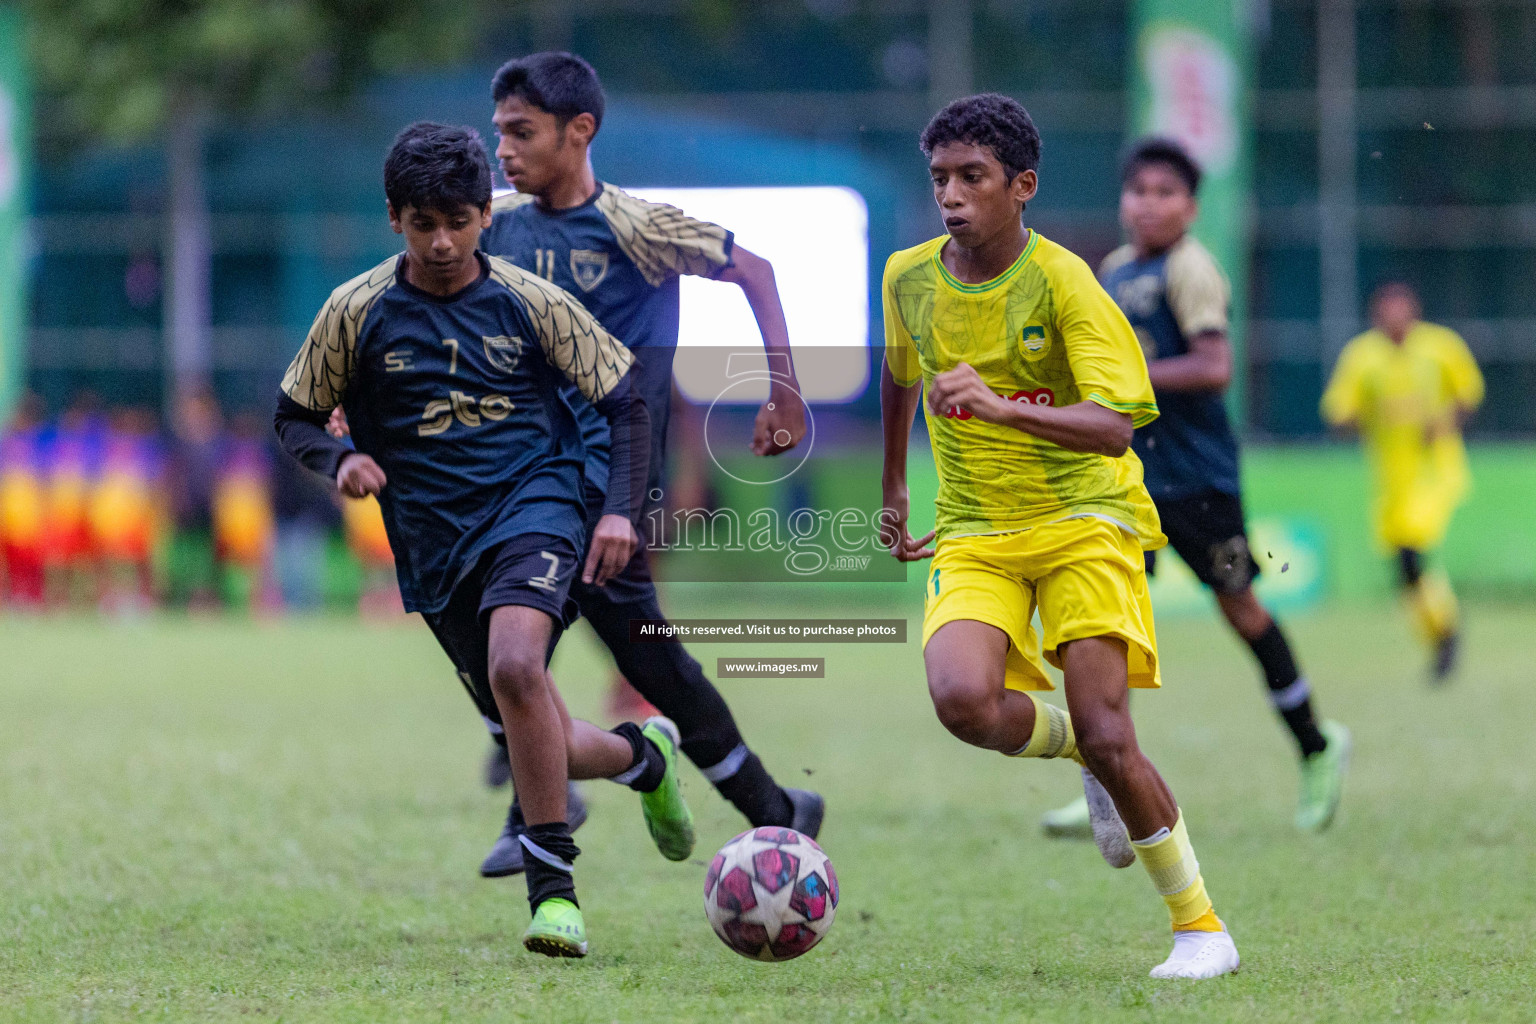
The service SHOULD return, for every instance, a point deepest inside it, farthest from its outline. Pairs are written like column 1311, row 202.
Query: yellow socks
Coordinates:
column 1170, row 860
column 1052, row 735
column 1434, row 607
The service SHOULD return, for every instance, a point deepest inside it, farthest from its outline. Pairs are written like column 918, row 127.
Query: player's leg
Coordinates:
column 512, row 689
column 667, row 676
column 966, row 661
column 1435, row 610
column 1324, row 747
column 1090, row 579
column 966, row 664
column 1097, row 696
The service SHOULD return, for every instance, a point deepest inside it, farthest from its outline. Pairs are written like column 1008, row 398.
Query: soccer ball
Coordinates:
column 770, row 894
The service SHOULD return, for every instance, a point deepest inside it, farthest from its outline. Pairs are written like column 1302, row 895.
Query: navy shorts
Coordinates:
column 1208, row 532
column 533, row 571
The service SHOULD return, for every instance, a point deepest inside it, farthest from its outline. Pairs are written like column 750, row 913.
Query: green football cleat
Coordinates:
column 666, row 815
column 1322, row 779
column 1069, row 822
column 557, row 930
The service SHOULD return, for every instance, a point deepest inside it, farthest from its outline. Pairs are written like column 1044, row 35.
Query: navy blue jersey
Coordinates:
column 1170, row 298
column 462, row 402
column 622, row 257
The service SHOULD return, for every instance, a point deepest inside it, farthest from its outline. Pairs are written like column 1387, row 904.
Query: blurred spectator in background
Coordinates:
column 22, row 507
column 72, row 454
column 107, row 510
column 191, row 575
column 370, row 546
column 307, row 515
column 125, row 513
column 244, row 532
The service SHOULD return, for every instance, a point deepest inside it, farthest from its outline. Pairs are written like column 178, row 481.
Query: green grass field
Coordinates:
column 220, row 820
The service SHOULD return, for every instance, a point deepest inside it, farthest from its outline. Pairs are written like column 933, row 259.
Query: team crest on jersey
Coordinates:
column 1034, row 340
column 503, row 351
column 588, row 268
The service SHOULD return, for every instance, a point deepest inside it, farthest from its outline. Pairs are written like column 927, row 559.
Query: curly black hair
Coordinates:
column 1157, row 149
column 989, row 119
column 437, row 167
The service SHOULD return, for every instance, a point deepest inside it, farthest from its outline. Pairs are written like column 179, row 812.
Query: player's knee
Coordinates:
column 517, row 675
column 1107, row 742
column 964, row 708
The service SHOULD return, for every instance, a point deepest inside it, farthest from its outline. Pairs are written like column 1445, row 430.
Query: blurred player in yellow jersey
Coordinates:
column 1408, row 386
column 1035, row 382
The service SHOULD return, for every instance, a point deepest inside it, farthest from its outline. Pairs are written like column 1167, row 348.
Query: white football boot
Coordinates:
column 1199, row 955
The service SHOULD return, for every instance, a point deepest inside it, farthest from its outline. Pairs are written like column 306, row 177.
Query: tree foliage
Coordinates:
column 120, row 68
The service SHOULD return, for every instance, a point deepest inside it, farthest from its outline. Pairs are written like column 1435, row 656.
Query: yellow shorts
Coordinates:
column 1087, row 577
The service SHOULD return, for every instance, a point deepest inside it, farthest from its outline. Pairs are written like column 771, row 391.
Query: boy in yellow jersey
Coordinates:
column 1034, row 382
column 1409, row 386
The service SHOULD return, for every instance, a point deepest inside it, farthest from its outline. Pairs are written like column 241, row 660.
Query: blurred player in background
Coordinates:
column 1176, row 299
column 368, row 540
column 1035, row 383
column 22, row 506
column 196, row 446
column 125, row 513
column 622, row 257
column 72, row 454
column 452, row 365
column 1409, row 387
column 244, row 530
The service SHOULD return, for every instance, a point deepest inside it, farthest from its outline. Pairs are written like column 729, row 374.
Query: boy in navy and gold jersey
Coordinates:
column 1176, row 298
column 452, row 365
column 623, row 258
column 1034, row 383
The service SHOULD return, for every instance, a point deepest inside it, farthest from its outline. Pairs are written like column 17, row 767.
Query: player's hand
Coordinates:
column 358, row 475
column 780, row 423
column 963, row 389
column 337, row 425
column 613, row 544
column 893, row 528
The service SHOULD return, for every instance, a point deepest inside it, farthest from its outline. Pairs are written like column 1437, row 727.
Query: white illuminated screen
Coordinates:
column 817, row 238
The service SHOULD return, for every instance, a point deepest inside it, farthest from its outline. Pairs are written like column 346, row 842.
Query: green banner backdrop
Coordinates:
column 15, row 161
column 1191, row 82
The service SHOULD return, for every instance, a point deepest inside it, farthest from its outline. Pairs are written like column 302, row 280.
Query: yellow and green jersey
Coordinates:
column 1042, row 331
column 1405, row 399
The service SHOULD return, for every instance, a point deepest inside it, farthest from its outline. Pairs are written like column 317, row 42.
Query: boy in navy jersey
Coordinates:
column 1175, row 297
column 623, row 257
column 454, row 366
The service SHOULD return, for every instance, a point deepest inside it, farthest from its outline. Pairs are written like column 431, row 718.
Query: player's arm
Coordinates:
column 780, row 422
column 316, row 379
column 1463, row 376
column 1106, row 362
column 901, row 391
column 1344, row 396
column 1207, row 366
column 598, row 364
column 664, row 241
column 1080, row 427
column 1198, row 295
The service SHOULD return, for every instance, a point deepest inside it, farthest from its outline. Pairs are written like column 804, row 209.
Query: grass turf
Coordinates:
column 216, row 820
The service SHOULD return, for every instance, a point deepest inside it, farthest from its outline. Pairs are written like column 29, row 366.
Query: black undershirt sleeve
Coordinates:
column 302, row 434
column 629, row 450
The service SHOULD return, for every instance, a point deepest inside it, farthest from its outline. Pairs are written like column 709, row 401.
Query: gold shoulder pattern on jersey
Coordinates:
column 663, row 241
column 572, row 339
column 320, row 373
